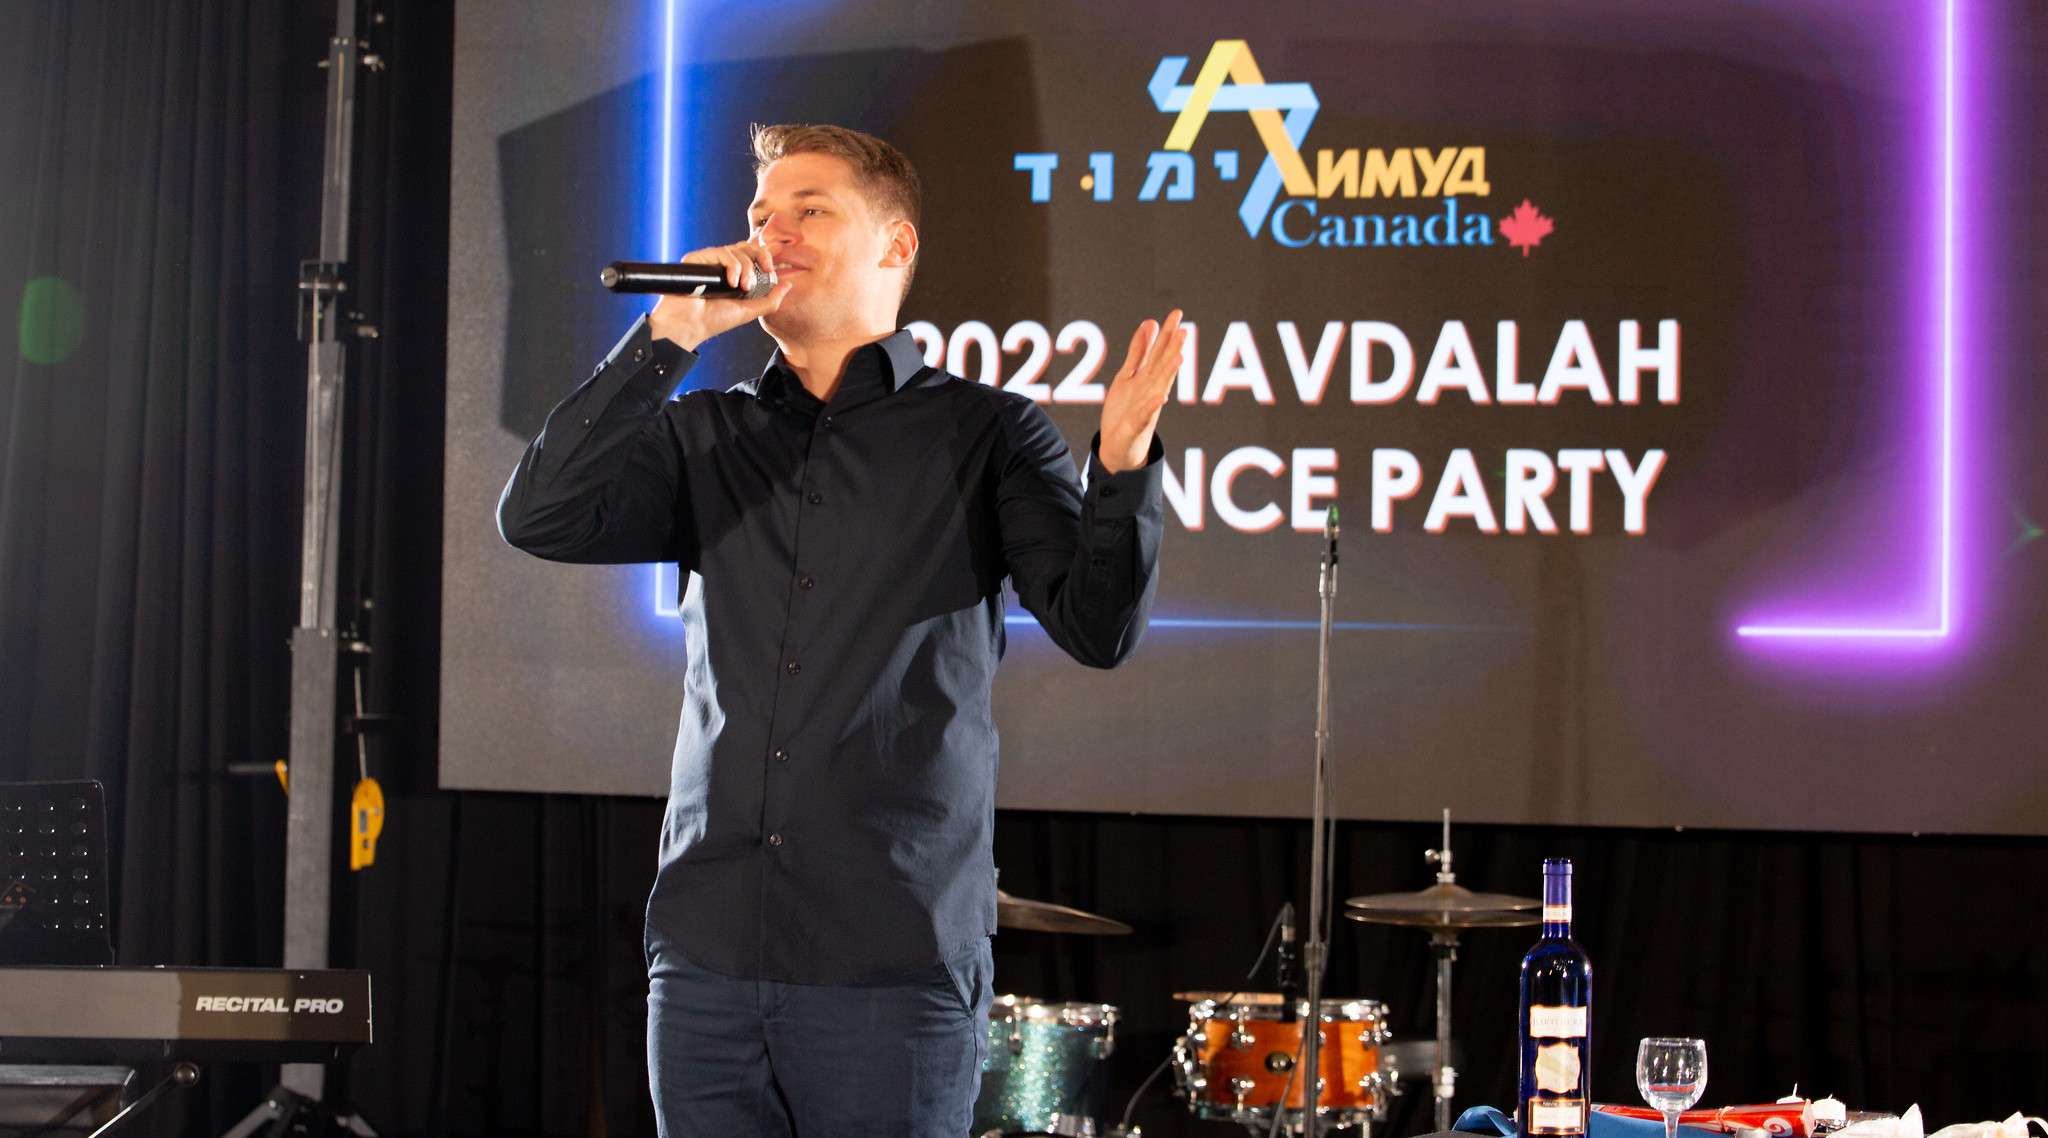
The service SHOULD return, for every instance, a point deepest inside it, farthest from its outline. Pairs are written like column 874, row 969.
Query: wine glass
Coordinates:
column 1672, row 1074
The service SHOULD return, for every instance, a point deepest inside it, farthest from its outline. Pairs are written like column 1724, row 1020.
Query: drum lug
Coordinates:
column 1240, row 1039
column 1240, row 1086
column 1015, row 1043
column 1073, row 1125
column 1104, row 1047
column 1193, row 1071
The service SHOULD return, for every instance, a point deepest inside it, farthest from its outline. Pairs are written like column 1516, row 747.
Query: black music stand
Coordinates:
column 54, row 901
column 53, row 873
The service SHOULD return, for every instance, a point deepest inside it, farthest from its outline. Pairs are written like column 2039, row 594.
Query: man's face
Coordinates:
column 827, row 243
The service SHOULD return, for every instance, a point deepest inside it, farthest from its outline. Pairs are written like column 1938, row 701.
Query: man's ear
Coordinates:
column 902, row 248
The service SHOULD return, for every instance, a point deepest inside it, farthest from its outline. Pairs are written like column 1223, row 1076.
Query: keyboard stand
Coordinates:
column 275, row 1115
column 91, row 1089
column 41, row 1098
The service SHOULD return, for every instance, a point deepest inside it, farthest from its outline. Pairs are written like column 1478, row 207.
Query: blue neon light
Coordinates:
column 668, row 132
column 667, row 589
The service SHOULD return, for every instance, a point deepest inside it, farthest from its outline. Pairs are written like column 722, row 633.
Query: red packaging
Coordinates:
column 1782, row 1119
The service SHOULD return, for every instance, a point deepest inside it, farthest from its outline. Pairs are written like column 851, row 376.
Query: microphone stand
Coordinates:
column 1317, row 946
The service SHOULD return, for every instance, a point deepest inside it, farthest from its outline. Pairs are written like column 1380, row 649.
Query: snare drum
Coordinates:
column 1236, row 1059
column 1045, row 1072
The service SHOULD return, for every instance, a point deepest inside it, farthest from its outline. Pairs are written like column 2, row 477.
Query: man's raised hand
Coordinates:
column 1130, row 411
column 690, row 320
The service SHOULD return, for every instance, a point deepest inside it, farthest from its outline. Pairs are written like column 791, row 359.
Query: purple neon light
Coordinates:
column 1878, row 628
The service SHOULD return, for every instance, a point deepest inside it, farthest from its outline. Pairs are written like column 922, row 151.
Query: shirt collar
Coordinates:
column 886, row 365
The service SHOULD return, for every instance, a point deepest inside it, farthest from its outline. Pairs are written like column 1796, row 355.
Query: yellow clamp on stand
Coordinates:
column 366, row 821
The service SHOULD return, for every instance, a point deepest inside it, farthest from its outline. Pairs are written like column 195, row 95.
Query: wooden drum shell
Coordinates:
column 1237, row 1059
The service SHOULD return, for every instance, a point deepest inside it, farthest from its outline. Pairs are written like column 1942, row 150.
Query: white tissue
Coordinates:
column 1907, row 1125
column 2013, row 1127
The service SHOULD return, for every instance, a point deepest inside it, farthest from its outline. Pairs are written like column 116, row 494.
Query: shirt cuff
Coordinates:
column 1123, row 495
column 650, row 368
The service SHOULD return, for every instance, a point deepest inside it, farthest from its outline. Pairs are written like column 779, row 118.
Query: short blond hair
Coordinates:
column 885, row 177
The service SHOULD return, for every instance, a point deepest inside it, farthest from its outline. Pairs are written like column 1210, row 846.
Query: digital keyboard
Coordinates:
column 264, row 1015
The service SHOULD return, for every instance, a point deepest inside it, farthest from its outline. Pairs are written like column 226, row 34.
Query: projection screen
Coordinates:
column 1651, row 351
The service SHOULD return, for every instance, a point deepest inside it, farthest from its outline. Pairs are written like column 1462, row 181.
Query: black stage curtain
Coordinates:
column 148, row 445
column 162, row 160
column 1886, row 970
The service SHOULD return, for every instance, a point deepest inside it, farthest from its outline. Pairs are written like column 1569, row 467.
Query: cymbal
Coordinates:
column 1445, row 906
column 1046, row 917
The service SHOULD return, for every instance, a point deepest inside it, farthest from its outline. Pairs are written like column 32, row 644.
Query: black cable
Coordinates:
column 1287, row 1089
column 1265, row 949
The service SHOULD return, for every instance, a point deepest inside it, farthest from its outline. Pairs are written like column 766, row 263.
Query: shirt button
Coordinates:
column 804, row 583
column 639, row 354
column 1109, row 491
column 828, row 420
column 795, row 667
column 781, row 756
column 816, row 498
column 775, row 839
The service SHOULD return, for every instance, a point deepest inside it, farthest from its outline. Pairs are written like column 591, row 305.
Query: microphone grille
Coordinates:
column 761, row 283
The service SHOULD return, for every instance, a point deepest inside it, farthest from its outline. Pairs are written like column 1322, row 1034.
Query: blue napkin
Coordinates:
column 1488, row 1121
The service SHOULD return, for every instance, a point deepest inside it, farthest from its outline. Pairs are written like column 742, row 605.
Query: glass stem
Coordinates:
column 1670, row 1124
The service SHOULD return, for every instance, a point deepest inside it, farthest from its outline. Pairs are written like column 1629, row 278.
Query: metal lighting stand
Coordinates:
column 1317, row 947
column 309, row 829
column 294, row 1105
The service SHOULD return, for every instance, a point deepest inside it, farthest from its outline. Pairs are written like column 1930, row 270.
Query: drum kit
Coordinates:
column 1241, row 1058
column 1046, row 1071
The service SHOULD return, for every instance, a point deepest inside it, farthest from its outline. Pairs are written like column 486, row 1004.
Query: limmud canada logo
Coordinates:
column 1355, row 197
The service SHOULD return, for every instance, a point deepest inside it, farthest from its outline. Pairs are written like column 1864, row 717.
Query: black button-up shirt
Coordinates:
column 832, row 799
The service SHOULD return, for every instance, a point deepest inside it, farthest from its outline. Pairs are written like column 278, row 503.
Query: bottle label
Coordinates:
column 1555, row 1116
column 1557, row 1023
column 1557, row 1068
column 1555, row 914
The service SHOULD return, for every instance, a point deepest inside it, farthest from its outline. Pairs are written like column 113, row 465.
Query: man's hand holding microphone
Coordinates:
column 691, row 320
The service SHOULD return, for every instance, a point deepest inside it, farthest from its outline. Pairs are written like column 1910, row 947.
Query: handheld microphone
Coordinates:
column 1290, row 988
column 708, row 281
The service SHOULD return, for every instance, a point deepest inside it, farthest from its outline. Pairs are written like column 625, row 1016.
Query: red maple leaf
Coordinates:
column 1525, row 228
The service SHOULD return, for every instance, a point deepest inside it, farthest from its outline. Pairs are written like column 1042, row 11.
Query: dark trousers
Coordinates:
column 900, row 1058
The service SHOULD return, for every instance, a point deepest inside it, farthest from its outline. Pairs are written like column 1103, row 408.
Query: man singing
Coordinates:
column 817, row 940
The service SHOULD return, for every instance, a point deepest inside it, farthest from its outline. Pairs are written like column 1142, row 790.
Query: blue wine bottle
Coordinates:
column 1556, row 1014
